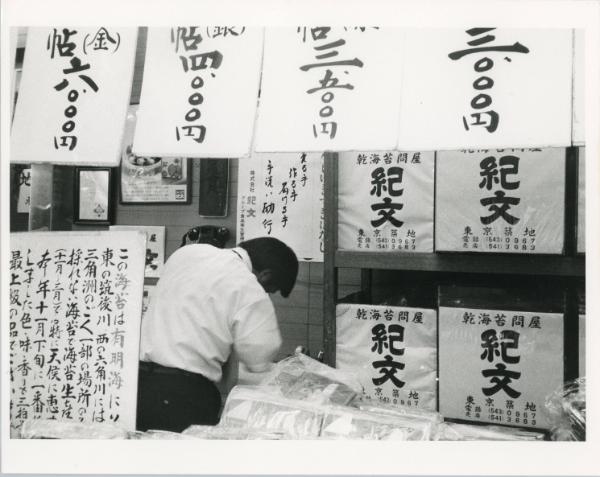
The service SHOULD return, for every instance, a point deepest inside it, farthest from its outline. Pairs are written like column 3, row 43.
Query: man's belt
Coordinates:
column 150, row 367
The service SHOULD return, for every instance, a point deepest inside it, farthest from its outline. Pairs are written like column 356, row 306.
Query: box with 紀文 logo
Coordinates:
column 501, row 353
column 500, row 201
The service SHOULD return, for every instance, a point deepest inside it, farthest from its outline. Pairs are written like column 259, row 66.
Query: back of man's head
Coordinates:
column 271, row 253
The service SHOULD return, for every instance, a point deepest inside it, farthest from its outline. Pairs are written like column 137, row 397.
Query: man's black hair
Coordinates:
column 269, row 252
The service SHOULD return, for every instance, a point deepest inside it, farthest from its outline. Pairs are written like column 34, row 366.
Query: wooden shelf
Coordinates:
column 548, row 265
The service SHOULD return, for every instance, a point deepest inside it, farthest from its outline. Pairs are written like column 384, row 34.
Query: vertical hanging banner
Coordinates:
column 199, row 91
column 74, row 312
column 578, row 137
column 504, row 201
column 155, row 246
column 581, row 201
column 73, row 95
column 385, row 201
column 392, row 350
column 499, row 366
column 281, row 195
column 486, row 87
column 330, row 88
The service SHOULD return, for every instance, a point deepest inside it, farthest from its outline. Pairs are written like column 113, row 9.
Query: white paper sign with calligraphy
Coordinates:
column 24, row 202
column 330, row 88
column 199, row 92
column 581, row 202
column 579, row 89
column 486, row 87
column 504, row 201
column 73, row 95
column 149, row 291
column 152, row 179
column 385, row 201
column 392, row 350
column 155, row 246
column 75, row 308
column 281, row 195
column 499, row 366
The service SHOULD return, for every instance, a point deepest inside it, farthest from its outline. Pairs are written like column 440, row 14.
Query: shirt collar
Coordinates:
column 240, row 252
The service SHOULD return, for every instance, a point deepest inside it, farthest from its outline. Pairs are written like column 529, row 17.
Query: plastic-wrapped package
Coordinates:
column 566, row 410
column 301, row 377
column 57, row 429
column 232, row 433
column 349, row 423
column 401, row 411
column 449, row 431
column 256, row 407
column 155, row 434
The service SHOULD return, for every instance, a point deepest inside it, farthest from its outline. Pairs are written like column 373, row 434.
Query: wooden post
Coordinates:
column 330, row 277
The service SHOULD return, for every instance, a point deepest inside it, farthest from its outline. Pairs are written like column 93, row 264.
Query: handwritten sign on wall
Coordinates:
column 486, row 87
column 199, row 91
column 500, row 200
column 392, row 350
column 73, row 95
column 330, row 88
column 499, row 366
column 75, row 310
column 281, row 195
column 385, row 201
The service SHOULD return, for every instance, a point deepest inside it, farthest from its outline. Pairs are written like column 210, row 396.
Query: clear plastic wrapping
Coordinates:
column 229, row 433
column 449, row 431
column 401, row 411
column 154, row 434
column 349, row 423
column 566, row 411
column 257, row 408
column 57, row 429
column 301, row 377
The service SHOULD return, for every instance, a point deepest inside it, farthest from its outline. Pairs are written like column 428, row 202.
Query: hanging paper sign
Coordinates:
column 392, row 350
column 281, row 195
column 24, row 201
column 155, row 246
column 499, row 366
column 330, row 88
column 73, row 95
column 385, row 201
column 504, row 200
column 486, row 87
column 74, row 313
column 581, row 202
column 199, row 91
column 152, row 179
column 149, row 291
column 579, row 89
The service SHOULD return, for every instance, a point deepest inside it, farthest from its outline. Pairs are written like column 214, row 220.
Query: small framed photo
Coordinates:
column 93, row 193
column 155, row 180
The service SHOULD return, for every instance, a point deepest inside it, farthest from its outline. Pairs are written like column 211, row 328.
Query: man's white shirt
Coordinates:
column 207, row 303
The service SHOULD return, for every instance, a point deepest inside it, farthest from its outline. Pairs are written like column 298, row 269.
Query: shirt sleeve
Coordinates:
column 256, row 336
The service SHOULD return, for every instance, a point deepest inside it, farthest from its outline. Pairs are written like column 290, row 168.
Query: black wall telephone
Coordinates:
column 210, row 234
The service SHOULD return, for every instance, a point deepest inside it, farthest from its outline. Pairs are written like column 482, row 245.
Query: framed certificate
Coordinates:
column 93, row 193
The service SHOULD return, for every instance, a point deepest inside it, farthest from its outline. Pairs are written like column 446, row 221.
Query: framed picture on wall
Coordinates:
column 93, row 192
column 155, row 180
